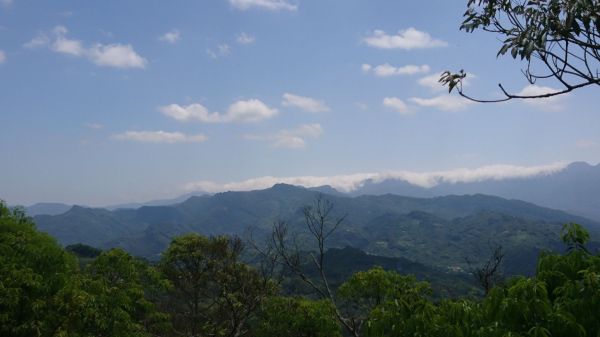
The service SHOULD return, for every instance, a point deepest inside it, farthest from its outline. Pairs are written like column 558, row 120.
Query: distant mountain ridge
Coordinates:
column 575, row 189
column 439, row 231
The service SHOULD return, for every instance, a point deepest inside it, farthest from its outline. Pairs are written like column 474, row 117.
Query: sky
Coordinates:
column 106, row 102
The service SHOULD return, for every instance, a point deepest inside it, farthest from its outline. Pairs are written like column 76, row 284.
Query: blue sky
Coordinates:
column 106, row 102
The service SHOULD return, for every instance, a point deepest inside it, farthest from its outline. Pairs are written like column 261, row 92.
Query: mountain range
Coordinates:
column 440, row 232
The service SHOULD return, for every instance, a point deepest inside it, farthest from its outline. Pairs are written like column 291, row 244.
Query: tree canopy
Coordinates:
column 557, row 39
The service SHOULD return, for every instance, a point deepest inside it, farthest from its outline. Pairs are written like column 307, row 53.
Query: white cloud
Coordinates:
column 244, row 38
column 397, row 105
column 553, row 103
column 292, row 138
column 387, row 70
column 116, row 55
column 2, row 56
column 189, row 113
column 252, row 110
column 159, row 137
column 111, row 55
column 407, row 39
column 304, row 103
column 272, row 5
column 443, row 102
column 68, row 46
column 170, row 37
column 6, row 3
column 351, row 182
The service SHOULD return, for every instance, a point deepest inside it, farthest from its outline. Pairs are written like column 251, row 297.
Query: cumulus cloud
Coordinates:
column 2, row 56
column 116, row 55
column 553, row 103
column 170, row 37
column 407, row 39
column 244, row 38
column 159, row 137
column 272, row 5
column 443, row 102
column 292, row 138
column 304, row 103
column 352, row 182
column 110, row 55
column 244, row 111
column 397, row 105
column 433, row 81
column 387, row 70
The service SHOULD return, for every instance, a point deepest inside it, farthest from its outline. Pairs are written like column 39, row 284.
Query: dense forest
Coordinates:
column 201, row 287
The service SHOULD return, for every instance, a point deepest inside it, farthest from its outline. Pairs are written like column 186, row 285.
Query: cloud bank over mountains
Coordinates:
column 352, row 182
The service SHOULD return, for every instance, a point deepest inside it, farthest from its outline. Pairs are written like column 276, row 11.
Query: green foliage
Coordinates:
column 114, row 298
column 291, row 316
column 34, row 271
column 83, row 251
column 213, row 293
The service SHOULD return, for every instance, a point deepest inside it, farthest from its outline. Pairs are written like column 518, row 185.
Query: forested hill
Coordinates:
column 439, row 231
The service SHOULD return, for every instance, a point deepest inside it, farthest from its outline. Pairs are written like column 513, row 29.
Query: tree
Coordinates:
column 298, row 317
column 116, row 296
column 282, row 249
column 34, row 271
column 489, row 273
column 555, row 38
column 213, row 294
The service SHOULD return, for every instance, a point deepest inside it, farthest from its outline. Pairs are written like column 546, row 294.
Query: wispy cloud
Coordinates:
column 110, row 55
column 2, row 56
column 222, row 50
column 171, row 37
column 272, row 5
column 443, row 102
column 244, row 38
column 290, row 138
column 407, row 39
column 397, row 105
column 159, row 137
column 387, row 70
column 244, row 111
column 352, row 182
column 304, row 103
column 6, row 3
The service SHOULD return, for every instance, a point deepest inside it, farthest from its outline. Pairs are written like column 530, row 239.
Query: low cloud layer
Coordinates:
column 109, row 55
column 407, row 39
column 243, row 111
column 351, row 182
